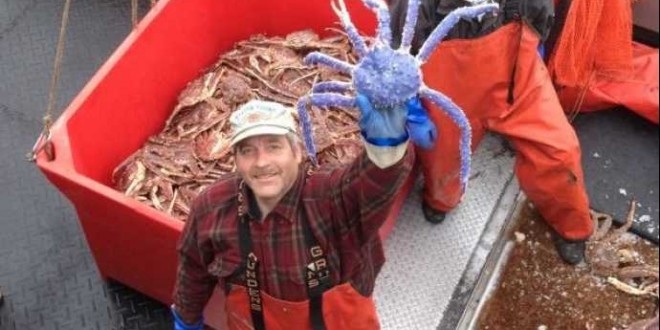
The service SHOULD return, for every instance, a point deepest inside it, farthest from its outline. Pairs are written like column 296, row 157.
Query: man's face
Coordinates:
column 269, row 164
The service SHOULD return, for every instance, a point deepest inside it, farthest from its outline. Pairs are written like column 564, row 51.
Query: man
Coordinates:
column 294, row 247
column 493, row 71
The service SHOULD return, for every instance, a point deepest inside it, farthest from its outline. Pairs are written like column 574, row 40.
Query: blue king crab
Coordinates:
column 387, row 77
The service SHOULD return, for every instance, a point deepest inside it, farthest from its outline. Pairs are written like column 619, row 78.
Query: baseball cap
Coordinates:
column 260, row 118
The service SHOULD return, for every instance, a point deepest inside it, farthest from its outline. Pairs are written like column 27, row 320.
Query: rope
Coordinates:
column 43, row 142
column 134, row 12
column 577, row 106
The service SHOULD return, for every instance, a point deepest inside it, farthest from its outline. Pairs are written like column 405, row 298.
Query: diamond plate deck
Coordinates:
column 425, row 262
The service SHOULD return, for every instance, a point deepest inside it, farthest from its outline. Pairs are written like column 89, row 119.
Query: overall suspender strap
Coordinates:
column 317, row 276
column 251, row 274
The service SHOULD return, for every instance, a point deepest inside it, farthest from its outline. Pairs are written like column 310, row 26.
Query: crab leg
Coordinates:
column 384, row 33
column 630, row 272
column 629, row 289
column 332, row 86
column 409, row 28
column 323, row 59
column 171, row 207
column 459, row 118
column 441, row 31
column 351, row 30
column 321, row 100
column 600, row 230
column 137, row 179
column 629, row 221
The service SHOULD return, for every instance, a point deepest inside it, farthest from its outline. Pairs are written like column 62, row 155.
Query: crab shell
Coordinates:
column 387, row 77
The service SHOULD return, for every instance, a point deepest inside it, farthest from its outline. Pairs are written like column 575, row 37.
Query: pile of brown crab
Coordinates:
column 610, row 256
column 192, row 151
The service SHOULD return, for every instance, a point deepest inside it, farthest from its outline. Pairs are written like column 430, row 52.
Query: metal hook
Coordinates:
column 43, row 143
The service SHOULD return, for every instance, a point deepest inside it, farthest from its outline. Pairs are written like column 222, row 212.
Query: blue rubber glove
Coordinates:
column 541, row 51
column 421, row 129
column 382, row 127
column 180, row 325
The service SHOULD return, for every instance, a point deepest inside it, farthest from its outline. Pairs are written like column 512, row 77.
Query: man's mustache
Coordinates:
column 264, row 171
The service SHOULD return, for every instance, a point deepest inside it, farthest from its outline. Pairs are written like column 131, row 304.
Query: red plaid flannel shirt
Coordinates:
column 345, row 206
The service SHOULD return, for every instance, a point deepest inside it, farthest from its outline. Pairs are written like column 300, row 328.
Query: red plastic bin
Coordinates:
column 129, row 99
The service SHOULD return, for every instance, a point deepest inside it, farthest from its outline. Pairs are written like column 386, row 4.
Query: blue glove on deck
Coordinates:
column 180, row 325
column 382, row 127
column 421, row 129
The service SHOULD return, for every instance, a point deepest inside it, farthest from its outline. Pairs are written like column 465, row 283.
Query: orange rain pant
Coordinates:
column 637, row 91
column 476, row 74
column 343, row 309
